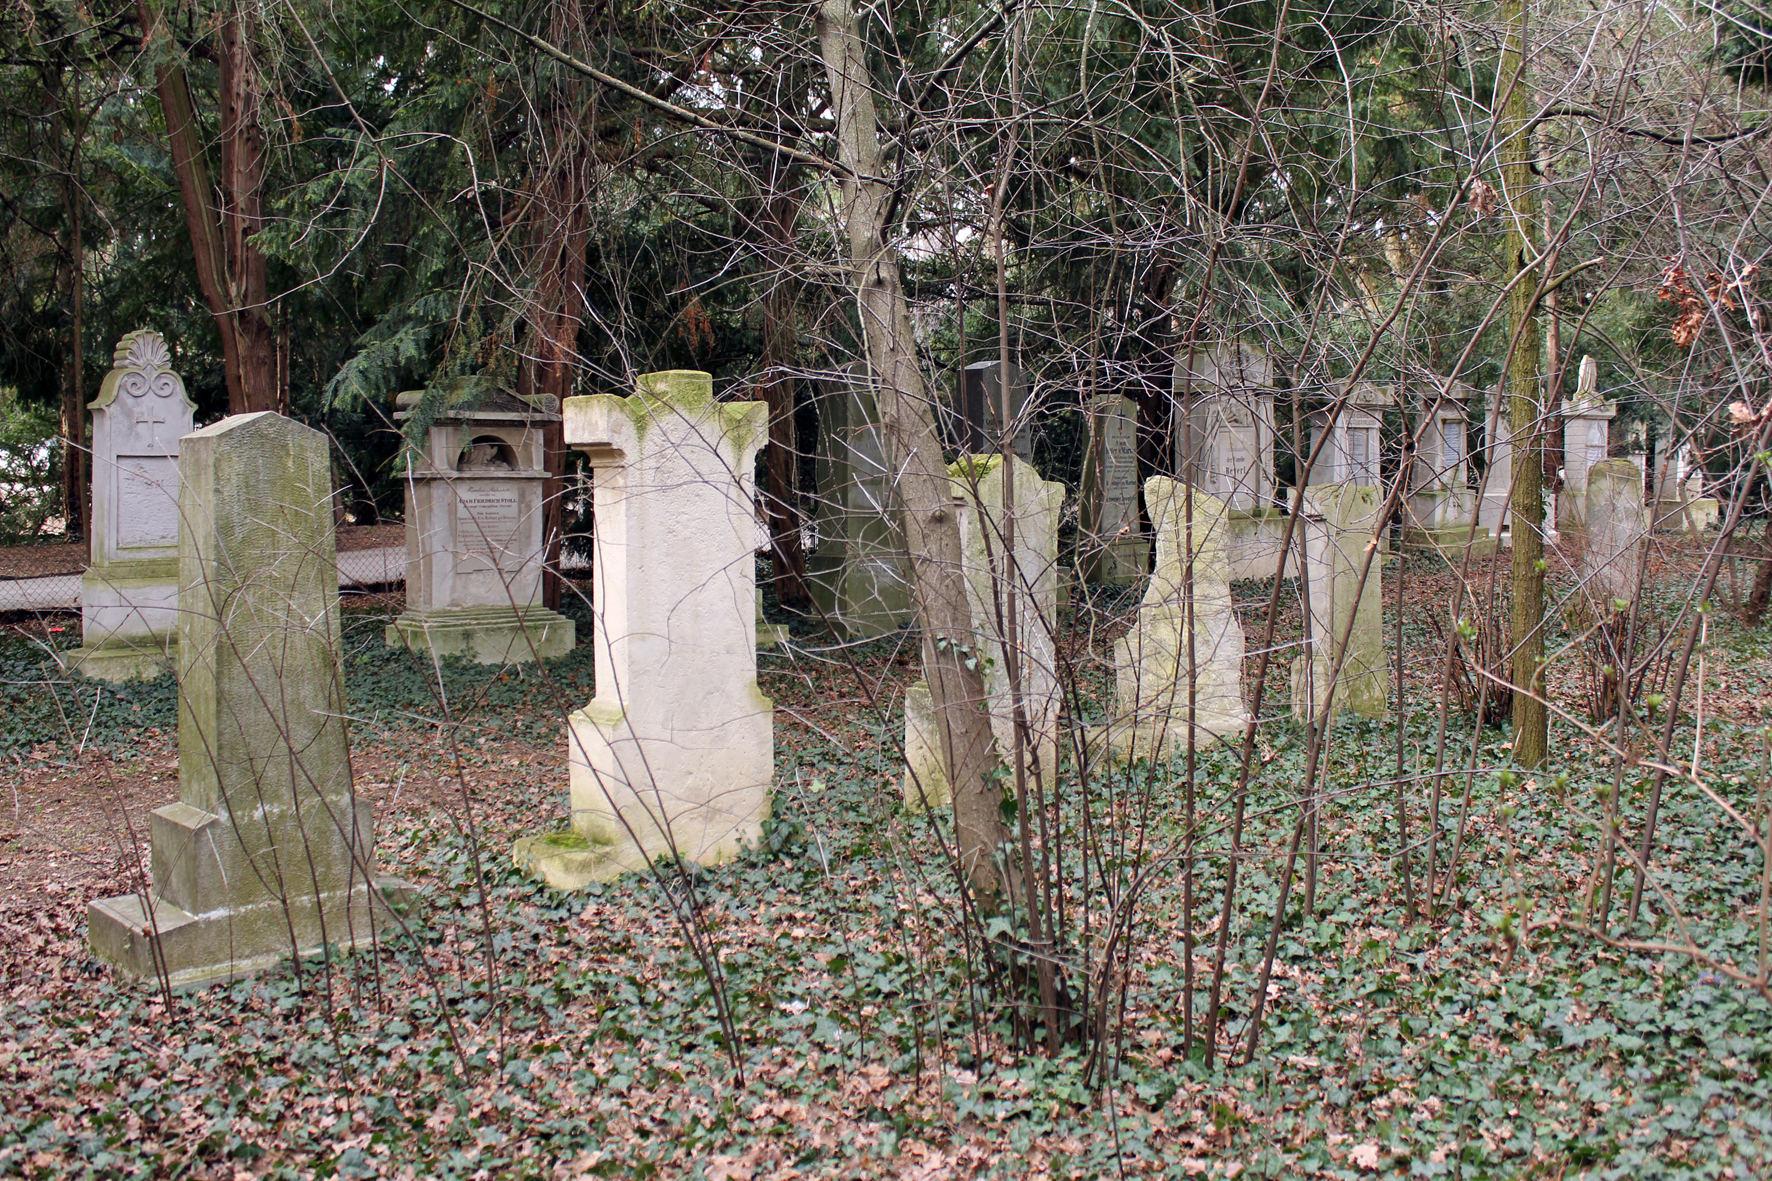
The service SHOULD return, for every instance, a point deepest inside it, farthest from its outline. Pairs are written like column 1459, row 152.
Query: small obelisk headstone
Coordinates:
column 129, row 593
column 978, row 484
column 1112, row 548
column 1153, row 667
column 1617, row 522
column 1339, row 523
column 674, row 755
column 268, row 850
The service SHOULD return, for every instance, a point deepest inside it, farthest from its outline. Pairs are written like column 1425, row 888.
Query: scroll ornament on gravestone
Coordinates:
column 675, row 753
column 129, row 592
column 1346, row 615
column 978, row 489
column 268, row 852
column 475, row 546
column 1153, row 666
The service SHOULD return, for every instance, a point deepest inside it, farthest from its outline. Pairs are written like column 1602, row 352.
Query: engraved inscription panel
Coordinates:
column 147, row 501
column 486, row 520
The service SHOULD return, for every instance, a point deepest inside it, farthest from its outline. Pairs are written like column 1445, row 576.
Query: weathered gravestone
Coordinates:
column 860, row 571
column 268, row 852
column 1346, row 436
column 674, row 755
column 475, row 547
column 1617, row 522
column 1224, row 447
column 1112, row 548
column 129, row 593
column 976, row 426
column 1339, row 524
column 1153, row 665
column 991, row 583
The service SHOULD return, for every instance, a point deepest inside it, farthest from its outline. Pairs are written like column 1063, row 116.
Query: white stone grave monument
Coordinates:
column 129, row 593
column 860, row 572
column 475, row 548
column 675, row 753
column 1113, row 549
column 978, row 490
column 268, row 852
column 1339, row 524
column 1680, row 502
column 1153, row 666
column 1587, row 435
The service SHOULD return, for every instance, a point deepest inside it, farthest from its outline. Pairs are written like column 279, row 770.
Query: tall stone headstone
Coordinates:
column 860, row 570
column 675, row 753
column 268, row 851
column 1352, row 427
column 1153, row 666
column 1339, row 523
column 977, row 426
column 1587, row 437
column 991, row 582
column 1617, row 523
column 475, row 547
column 1112, row 546
column 1224, row 447
column 1496, row 484
column 129, row 593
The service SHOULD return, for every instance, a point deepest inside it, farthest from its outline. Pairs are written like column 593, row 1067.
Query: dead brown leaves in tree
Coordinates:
column 1677, row 289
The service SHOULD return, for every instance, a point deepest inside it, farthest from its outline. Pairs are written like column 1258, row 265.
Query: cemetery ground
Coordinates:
column 514, row 1031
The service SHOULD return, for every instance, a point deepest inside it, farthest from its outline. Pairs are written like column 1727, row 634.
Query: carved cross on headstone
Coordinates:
column 149, row 412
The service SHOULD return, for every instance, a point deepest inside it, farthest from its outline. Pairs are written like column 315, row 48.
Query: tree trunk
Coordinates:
column 932, row 533
column 231, row 269
column 73, row 409
column 1531, row 721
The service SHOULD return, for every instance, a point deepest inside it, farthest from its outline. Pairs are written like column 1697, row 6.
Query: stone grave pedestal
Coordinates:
column 675, row 754
column 978, row 490
column 475, row 550
column 1113, row 549
column 268, row 852
column 129, row 592
column 1152, row 664
column 859, row 573
column 1338, row 526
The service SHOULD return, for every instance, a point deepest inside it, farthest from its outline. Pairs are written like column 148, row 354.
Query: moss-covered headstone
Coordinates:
column 268, row 851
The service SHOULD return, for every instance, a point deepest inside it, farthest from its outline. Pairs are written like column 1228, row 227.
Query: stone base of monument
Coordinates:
column 1451, row 541
column 1118, row 563
column 128, row 621
column 123, row 660
column 213, row 916
column 1692, row 517
column 1365, row 692
column 486, row 635
column 1252, row 545
column 925, row 778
